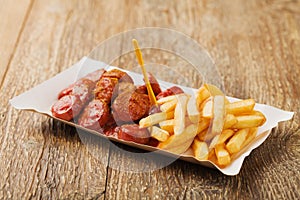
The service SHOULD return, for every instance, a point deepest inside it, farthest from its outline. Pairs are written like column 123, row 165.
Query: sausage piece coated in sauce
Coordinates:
column 132, row 132
column 95, row 115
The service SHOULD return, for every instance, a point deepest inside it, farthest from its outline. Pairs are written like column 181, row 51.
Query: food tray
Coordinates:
column 41, row 98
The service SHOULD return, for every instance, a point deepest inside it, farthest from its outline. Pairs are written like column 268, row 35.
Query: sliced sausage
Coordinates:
column 105, row 89
column 67, row 107
column 128, row 107
column 171, row 91
column 66, row 91
column 94, row 77
column 95, row 116
column 83, row 89
column 154, row 84
column 118, row 74
column 132, row 132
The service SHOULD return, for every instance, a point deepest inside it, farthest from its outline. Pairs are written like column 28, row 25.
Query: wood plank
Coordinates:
column 13, row 18
column 40, row 157
column 256, row 56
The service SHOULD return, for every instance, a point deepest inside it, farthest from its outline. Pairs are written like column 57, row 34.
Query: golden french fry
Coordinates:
column 230, row 120
column 221, row 138
column 167, row 125
column 202, row 95
column 207, row 108
column 202, row 127
column 202, row 135
column 212, row 156
column 217, row 122
column 222, row 154
column 235, row 143
column 155, row 119
column 178, row 144
column 248, row 121
column 192, row 110
column 251, row 135
column 166, row 99
column 200, row 150
column 179, row 114
column 169, row 98
column 225, row 135
column 240, row 107
column 158, row 133
column 214, row 142
column 168, row 106
column 256, row 112
column 215, row 91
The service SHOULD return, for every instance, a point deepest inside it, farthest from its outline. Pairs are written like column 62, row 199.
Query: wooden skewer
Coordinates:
column 139, row 57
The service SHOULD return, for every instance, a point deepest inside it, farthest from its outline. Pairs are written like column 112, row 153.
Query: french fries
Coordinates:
column 222, row 155
column 218, row 115
column 179, row 114
column 240, row 107
column 203, row 94
column 230, row 120
column 206, row 123
column 193, row 110
column 207, row 108
column 236, row 142
column 178, row 144
column 155, row 119
column 168, row 125
column 168, row 106
column 248, row 121
column 200, row 150
column 159, row 134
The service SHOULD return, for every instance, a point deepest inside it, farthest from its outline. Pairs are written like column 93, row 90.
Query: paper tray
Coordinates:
column 44, row 95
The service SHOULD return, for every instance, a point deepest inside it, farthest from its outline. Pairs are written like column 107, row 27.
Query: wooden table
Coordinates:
column 256, row 46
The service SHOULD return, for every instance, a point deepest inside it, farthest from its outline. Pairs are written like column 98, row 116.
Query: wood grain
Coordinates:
column 256, row 46
column 12, row 24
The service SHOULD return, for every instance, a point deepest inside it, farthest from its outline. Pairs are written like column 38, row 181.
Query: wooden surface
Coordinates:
column 256, row 46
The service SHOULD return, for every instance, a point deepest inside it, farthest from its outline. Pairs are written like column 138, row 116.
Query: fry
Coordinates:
column 219, row 115
column 207, row 108
column 240, row 107
column 200, row 150
column 215, row 91
column 202, row 128
column 167, row 125
column 178, row 144
column 179, row 114
column 222, row 154
column 230, row 120
column 192, row 110
column 202, row 135
column 168, row 106
column 203, row 94
column 251, row 135
column 225, row 135
column 169, row 98
column 212, row 156
column 221, row 139
column 214, row 142
column 235, row 143
column 258, row 113
column 155, row 119
column 159, row 134
column 248, row 121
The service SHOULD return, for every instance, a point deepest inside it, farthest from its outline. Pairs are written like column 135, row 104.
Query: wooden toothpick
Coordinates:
column 139, row 57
